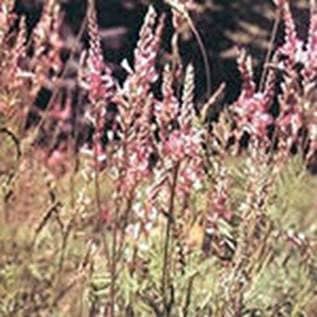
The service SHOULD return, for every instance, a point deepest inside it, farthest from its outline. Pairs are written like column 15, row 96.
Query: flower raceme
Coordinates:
column 252, row 107
column 137, row 86
column 147, row 49
column 294, row 50
column 297, row 104
column 97, row 79
column 6, row 18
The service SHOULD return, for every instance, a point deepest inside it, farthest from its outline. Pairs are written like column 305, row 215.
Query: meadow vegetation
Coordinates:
column 121, row 197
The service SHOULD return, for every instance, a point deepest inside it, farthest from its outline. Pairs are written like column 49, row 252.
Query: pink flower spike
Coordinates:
column 310, row 63
column 99, row 80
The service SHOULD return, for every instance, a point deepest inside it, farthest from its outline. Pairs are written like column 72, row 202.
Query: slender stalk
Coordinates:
column 181, row 9
column 115, row 248
column 203, row 54
column 188, row 296
column 72, row 189
column 167, row 239
column 97, row 186
column 270, row 49
column 113, row 268
column 125, row 217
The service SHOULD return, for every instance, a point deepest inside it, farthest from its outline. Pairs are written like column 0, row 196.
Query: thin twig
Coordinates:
column 114, row 263
column 49, row 213
column 277, row 20
column 188, row 296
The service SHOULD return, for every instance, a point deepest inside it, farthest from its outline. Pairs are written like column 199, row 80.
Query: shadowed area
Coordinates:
column 223, row 25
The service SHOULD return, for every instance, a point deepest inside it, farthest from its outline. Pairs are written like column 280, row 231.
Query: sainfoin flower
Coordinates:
column 294, row 50
column 143, row 73
column 47, row 45
column 6, row 18
column 252, row 107
column 296, row 105
column 97, row 79
column 166, row 111
column 183, row 145
column 17, row 55
column 290, row 119
column 310, row 63
column 145, row 54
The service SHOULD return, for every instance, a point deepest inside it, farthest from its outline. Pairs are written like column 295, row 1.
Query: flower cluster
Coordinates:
column 252, row 107
column 7, row 18
column 97, row 78
column 297, row 104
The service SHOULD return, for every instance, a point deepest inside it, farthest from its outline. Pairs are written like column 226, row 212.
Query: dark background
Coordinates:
column 223, row 25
